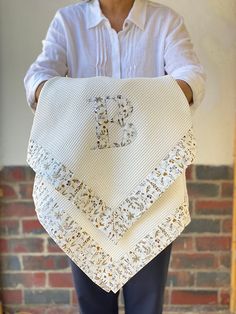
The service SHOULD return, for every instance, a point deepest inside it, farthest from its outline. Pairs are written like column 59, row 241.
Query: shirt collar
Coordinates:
column 137, row 14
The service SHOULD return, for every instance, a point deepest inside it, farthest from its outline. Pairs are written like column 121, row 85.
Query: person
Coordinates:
column 120, row 39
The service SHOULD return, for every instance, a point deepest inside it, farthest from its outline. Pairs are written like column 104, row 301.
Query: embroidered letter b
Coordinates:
column 111, row 114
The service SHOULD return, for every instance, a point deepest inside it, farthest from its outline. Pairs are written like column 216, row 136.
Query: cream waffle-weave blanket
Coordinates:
column 110, row 157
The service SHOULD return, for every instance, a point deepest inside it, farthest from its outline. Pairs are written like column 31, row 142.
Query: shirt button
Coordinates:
column 126, row 24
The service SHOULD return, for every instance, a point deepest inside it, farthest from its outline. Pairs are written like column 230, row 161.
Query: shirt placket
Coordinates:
column 116, row 53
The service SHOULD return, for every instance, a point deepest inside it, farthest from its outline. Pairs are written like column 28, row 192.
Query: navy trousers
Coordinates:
column 143, row 293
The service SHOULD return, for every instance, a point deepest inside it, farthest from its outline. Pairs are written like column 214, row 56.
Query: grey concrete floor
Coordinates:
column 192, row 310
column 74, row 310
column 196, row 310
column 201, row 312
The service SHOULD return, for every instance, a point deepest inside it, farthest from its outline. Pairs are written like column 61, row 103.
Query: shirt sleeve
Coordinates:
column 51, row 62
column 181, row 61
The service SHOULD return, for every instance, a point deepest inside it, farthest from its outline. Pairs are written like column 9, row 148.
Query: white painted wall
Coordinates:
column 212, row 25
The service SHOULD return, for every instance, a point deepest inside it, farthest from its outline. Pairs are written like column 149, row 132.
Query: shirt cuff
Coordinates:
column 195, row 81
column 32, row 85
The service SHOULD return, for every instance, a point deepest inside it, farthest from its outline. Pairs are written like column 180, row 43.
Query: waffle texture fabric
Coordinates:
column 110, row 157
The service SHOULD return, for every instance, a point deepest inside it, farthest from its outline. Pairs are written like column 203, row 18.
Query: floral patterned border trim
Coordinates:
column 87, row 253
column 155, row 184
column 113, row 222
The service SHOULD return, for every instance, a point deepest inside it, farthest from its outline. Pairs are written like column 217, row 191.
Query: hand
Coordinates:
column 38, row 90
column 186, row 90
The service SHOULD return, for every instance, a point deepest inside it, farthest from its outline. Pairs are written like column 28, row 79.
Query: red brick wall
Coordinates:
column 34, row 271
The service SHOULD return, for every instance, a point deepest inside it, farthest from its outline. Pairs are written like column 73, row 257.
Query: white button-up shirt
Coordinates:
column 80, row 42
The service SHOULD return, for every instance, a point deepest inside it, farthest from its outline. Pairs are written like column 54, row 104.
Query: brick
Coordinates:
column 53, row 262
column 9, row 227
column 60, row 280
column 167, row 293
column 14, row 280
column 227, row 189
column 74, row 297
column 191, row 207
column 8, row 191
column 16, row 173
column 193, row 297
column 29, row 173
column 183, row 243
column 180, row 279
column 11, row 296
column 227, row 225
column 214, row 172
column 26, row 309
column 62, row 310
column 30, row 245
column 213, row 243
column 189, row 172
column 10, row 262
column 47, row 297
column 3, row 246
column 32, row 226
column 53, row 247
column 193, row 261
column 203, row 225
column 196, row 190
column 213, row 207
column 17, row 209
column 26, row 190
column 225, row 260
column 213, row 279
column 225, row 297
column 11, row 173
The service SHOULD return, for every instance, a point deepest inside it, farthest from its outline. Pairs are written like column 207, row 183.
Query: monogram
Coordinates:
column 112, row 127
